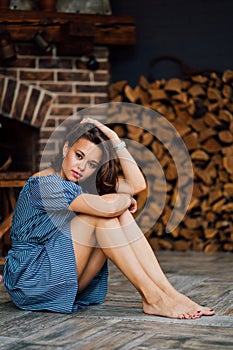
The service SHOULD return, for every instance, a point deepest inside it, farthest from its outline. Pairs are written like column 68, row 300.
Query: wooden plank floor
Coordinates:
column 120, row 323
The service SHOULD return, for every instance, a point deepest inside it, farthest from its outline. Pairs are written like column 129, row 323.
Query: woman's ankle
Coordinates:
column 152, row 297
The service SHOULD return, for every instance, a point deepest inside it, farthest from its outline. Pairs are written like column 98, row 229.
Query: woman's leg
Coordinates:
column 89, row 259
column 150, row 264
column 108, row 233
column 143, row 251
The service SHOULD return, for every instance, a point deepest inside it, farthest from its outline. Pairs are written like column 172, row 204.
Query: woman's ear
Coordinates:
column 65, row 149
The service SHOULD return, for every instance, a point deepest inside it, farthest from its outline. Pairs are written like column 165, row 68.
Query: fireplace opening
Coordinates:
column 18, row 146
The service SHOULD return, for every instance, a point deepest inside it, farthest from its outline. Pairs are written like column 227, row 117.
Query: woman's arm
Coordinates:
column 108, row 205
column 134, row 181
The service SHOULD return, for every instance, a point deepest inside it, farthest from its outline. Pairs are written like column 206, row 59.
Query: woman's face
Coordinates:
column 81, row 160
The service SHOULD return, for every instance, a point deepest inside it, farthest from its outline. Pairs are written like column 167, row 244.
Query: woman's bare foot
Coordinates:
column 1, row 278
column 181, row 298
column 172, row 308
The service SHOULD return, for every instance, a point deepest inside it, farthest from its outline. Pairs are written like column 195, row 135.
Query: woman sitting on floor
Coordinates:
column 71, row 218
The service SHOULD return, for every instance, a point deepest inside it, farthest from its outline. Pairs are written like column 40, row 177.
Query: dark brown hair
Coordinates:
column 106, row 175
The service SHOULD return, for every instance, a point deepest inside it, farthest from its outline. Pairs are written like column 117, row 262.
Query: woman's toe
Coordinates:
column 208, row 312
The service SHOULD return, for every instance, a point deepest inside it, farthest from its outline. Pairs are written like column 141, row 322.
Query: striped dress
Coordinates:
column 40, row 270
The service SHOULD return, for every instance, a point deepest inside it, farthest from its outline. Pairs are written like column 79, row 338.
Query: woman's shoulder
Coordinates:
column 45, row 172
column 48, row 177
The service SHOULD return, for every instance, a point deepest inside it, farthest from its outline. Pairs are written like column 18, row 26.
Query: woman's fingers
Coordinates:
column 105, row 129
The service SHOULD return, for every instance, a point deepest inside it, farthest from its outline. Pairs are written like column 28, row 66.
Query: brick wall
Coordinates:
column 42, row 89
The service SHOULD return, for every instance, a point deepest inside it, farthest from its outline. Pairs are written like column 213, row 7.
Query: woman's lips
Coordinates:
column 76, row 174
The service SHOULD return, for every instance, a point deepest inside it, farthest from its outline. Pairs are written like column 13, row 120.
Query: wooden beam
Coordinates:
column 6, row 225
column 105, row 29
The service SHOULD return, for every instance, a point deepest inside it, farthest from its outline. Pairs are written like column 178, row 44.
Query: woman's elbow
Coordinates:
column 141, row 186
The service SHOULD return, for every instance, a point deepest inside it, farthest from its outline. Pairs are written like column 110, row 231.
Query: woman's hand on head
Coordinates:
column 112, row 135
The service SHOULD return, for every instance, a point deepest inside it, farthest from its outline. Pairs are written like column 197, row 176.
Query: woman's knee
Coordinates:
column 82, row 230
column 94, row 221
column 108, row 223
column 84, row 220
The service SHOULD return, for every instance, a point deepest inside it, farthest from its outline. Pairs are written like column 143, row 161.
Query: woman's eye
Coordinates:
column 92, row 165
column 79, row 156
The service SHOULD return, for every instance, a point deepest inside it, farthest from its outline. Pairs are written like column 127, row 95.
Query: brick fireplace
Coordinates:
column 41, row 90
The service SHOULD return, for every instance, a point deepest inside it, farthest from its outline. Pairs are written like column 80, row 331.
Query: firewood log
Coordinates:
column 201, row 110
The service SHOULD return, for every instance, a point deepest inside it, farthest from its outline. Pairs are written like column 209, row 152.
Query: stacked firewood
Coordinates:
column 201, row 109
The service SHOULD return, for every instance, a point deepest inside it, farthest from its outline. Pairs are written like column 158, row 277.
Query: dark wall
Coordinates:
column 199, row 33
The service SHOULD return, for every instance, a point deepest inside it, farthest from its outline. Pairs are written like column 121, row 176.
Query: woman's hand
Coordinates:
column 133, row 206
column 112, row 135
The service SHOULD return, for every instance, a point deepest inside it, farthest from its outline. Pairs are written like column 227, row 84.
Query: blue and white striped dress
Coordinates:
column 40, row 270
